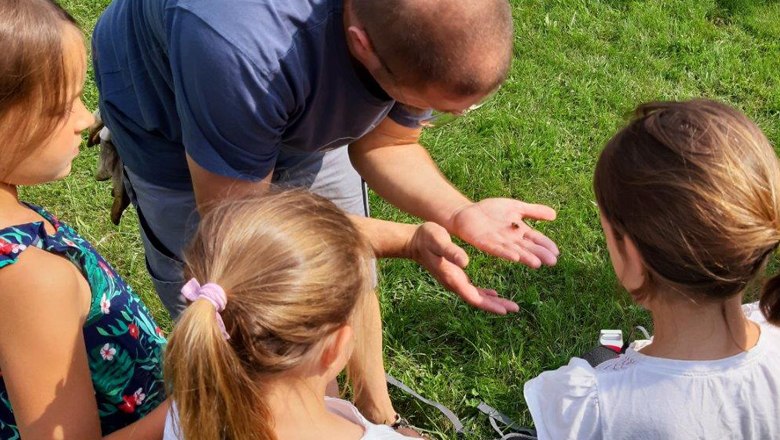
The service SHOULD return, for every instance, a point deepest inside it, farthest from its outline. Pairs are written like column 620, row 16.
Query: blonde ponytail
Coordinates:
column 215, row 397
column 293, row 269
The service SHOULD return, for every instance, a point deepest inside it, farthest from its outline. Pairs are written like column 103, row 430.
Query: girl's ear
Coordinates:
column 338, row 350
column 635, row 273
column 628, row 263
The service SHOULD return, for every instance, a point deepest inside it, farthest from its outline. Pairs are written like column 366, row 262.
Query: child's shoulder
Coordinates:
column 26, row 268
column 15, row 240
column 23, row 226
column 31, row 277
column 371, row 431
column 39, row 293
column 565, row 400
column 578, row 378
column 35, row 276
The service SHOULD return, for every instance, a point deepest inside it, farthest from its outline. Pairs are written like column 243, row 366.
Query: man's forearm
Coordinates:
column 388, row 239
column 210, row 188
column 407, row 177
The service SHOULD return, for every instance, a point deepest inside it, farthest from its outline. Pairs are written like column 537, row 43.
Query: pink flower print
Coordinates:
column 139, row 396
column 105, row 305
column 54, row 221
column 105, row 267
column 107, row 352
column 133, row 330
column 159, row 332
column 68, row 242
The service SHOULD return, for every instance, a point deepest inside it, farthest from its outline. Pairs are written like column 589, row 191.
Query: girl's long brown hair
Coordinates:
column 696, row 185
column 35, row 79
column 294, row 268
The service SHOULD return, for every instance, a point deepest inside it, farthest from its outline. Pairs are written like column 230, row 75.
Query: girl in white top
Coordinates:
column 277, row 284
column 689, row 196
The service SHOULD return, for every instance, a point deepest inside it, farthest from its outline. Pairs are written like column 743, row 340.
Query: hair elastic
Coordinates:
column 212, row 293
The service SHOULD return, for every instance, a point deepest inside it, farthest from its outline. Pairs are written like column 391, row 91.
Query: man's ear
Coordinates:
column 338, row 349
column 361, row 48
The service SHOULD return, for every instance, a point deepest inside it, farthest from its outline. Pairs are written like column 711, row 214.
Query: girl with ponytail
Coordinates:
column 689, row 198
column 277, row 285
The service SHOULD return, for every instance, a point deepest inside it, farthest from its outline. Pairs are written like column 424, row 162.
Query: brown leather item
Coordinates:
column 109, row 167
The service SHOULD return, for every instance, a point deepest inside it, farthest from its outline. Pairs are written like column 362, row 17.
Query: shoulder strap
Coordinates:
column 15, row 239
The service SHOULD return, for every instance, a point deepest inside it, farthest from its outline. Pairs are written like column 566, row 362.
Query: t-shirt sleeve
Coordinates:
column 232, row 114
column 172, row 429
column 371, row 431
column 564, row 403
column 753, row 312
column 409, row 116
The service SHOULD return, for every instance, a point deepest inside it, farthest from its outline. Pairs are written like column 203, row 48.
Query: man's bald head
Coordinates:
column 464, row 46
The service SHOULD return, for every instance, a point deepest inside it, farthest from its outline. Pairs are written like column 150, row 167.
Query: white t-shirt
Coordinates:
column 641, row 397
column 336, row 406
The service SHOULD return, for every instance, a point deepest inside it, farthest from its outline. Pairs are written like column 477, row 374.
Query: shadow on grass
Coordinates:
column 727, row 11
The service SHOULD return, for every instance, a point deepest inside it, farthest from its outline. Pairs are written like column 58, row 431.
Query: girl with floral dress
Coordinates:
column 80, row 355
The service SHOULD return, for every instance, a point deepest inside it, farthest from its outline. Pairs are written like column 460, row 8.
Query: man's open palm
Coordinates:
column 497, row 226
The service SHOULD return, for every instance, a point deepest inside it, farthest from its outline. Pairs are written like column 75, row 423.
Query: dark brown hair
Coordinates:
column 696, row 186
column 463, row 45
column 294, row 269
column 35, row 79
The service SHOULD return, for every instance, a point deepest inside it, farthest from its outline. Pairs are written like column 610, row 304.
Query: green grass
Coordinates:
column 580, row 67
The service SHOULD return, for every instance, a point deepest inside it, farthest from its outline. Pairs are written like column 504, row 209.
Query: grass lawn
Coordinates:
column 579, row 67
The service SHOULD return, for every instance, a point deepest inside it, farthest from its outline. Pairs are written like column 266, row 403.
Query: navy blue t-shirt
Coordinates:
column 243, row 86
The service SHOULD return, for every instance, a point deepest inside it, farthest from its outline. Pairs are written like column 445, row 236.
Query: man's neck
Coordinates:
column 685, row 329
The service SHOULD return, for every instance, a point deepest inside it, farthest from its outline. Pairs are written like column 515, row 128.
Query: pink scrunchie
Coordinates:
column 212, row 293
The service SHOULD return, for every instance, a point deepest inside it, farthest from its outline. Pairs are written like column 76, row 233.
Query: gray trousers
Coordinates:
column 168, row 217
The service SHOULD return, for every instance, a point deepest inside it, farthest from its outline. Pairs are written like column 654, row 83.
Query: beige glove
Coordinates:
column 109, row 167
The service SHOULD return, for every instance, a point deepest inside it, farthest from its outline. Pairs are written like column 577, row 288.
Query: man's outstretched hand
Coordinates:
column 432, row 248
column 497, row 226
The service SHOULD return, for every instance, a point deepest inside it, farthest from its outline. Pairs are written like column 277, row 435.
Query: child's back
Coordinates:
column 637, row 396
column 689, row 197
column 288, row 274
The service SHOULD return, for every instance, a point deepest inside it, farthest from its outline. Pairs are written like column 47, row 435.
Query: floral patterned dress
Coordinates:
column 124, row 345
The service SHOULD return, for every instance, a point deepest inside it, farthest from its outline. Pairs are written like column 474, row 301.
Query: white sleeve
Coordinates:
column 172, row 427
column 347, row 410
column 753, row 312
column 564, row 403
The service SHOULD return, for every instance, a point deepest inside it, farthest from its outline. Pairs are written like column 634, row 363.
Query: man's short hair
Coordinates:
column 463, row 45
